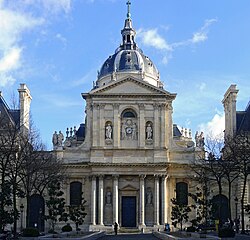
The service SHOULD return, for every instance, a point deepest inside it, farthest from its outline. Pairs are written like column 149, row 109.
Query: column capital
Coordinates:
column 92, row 177
column 115, row 176
column 142, row 176
column 96, row 105
column 116, row 105
column 156, row 176
column 141, row 106
column 156, row 106
column 101, row 176
column 102, row 106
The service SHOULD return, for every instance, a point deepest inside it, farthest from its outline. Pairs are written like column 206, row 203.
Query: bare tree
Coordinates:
column 237, row 149
column 25, row 167
column 208, row 168
column 38, row 168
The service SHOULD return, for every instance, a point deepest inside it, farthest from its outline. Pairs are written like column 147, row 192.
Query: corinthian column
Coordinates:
column 156, row 201
column 142, row 200
column 163, row 199
column 115, row 199
column 100, row 210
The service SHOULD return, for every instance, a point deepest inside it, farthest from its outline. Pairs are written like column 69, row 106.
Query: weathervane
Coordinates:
column 128, row 14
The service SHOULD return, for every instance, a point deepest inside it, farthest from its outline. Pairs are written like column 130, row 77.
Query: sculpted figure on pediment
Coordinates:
column 199, row 139
column 55, row 139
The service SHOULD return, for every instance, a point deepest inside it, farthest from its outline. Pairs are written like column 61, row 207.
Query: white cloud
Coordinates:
column 57, row 6
column 215, row 127
column 50, row 6
column 12, row 25
column 6, row 79
column 201, row 35
column 89, row 77
column 202, row 86
column 152, row 38
column 11, row 60
column 15, row 21
column 61, row 39
column 59, row 101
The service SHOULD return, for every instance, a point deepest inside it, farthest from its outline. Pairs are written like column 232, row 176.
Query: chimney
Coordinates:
column 24, row 105
column 229, row 103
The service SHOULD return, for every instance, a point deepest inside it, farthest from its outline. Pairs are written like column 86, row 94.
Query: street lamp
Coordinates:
column 21, row 210
column 236, row 207
column 40, row 219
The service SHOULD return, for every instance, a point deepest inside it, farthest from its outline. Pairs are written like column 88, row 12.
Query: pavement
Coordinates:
column 126, row 236
column 150, row 236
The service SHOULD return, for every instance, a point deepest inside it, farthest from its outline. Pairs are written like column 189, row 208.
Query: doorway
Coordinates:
column 128, row 211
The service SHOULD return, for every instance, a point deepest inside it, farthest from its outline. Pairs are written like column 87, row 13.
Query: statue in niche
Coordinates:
column 108, row 197
column 60, row 138
column 134, row 131
column 149, row 196
column 108, row 133
column 149, row 132
column 123, row 128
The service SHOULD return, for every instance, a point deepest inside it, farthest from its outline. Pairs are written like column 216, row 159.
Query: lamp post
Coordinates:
column 21, row 210
column 40, row 219
column 236, row 207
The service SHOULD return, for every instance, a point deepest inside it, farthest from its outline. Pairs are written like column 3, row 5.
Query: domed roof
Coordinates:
column 128, row 59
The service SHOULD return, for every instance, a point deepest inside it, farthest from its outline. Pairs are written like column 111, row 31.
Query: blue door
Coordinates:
column 128, row 211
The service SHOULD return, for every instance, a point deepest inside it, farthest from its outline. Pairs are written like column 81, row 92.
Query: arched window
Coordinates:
column 75, row 193
column 128, row 113
column 182, row 193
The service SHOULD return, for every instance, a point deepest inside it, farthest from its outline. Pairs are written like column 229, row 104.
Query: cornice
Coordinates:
column 100, row 92
column 121, row 165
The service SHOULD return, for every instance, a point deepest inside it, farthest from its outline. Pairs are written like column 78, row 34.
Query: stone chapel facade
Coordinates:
column 128, row 158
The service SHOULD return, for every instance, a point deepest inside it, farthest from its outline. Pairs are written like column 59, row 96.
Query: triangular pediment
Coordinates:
column 130, row 86
column 129, row 188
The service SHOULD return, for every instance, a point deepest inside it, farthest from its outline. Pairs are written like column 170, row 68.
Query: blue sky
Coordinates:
column 56, row 47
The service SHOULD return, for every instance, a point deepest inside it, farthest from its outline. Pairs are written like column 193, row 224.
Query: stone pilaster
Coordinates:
column 169, row 124
column 95, row 135
column 100, row 200
column 116, row 126
column 83, row 185
column 142, row 125
column 142, row 201
column 89, row 115
column 68, row 192
column 156, row 201
column 156, row 126
column 163, row 125
column 102, row 125
column 115, row 199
